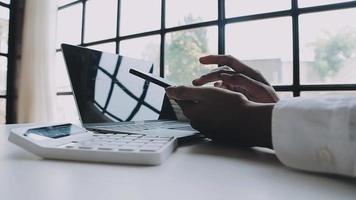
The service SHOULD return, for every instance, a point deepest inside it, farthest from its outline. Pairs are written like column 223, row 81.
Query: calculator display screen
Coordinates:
column 54, row 131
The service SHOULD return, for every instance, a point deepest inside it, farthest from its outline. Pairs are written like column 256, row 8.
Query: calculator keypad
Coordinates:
column 120, row 142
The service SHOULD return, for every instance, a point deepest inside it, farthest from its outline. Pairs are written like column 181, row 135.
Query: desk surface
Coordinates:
column 201, row 171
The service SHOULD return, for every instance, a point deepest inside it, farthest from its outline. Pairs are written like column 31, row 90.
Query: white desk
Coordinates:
column 201, row 171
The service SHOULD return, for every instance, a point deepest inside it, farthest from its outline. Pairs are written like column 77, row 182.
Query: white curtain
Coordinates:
column 36, row 89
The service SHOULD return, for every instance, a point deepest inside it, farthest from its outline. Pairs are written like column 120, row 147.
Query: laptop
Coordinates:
column 110, row 99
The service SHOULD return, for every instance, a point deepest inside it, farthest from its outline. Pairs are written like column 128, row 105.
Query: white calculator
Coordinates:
column 71, row 142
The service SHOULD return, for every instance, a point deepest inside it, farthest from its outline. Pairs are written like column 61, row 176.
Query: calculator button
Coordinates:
column 149, row 137
column 126, row 149
column 136, row 143
column 150, row 145
column 105, row 149
column 130, row 138
column 150, row 148
column 84, row 147
column 143, row 140
column 130, row 146
column 162, row 139
column 158, row 142
column 119, row 143
column 166, row 137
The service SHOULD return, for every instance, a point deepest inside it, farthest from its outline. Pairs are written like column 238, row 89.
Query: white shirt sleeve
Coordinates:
column 316, row 134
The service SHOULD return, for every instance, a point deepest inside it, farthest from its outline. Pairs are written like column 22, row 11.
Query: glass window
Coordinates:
column 182, row 52
column 265, row 45
column 307, row 3
column 105, row 47
column 328, row 50
column 242, row 7
column 62, row 78
column 69, row 25
column 184, row 12
column 2, row 111
column 100, row 20
column 3, row 75
column 140, row 16
column 6, row 1
column 66, row 110
column 64, row 2
column 4, row 28
column 146, row 48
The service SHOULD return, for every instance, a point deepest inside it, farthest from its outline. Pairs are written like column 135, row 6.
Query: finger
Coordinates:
column 235, row 64
column 225, row 68
column 217, row 59
column 187, row 93
column 212, row 76
column 244, row 84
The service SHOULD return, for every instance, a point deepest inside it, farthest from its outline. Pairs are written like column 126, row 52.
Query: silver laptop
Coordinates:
column 110, row 99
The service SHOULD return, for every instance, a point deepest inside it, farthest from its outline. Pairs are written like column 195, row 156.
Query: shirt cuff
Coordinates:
column 314, row 134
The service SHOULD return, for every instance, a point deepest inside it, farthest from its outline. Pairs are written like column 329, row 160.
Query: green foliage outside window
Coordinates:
column 183, row 53
column 332, row 51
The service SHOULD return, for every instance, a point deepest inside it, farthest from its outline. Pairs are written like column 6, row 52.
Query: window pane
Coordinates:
column 62, row 78
column 182, row 51
column 100, row 26
column 66, row 110
column 242, row 7
column 2, row 111
column 146, row 48
column 64, row 2
column 326, row 93
column 265, row 45
column 184, row 12
column 4, row 28
column 306, row 3
column 3, row 75
column 328, row 50
column 6, row 1
column 69, row 25
column 106, row 47
column 140, row 16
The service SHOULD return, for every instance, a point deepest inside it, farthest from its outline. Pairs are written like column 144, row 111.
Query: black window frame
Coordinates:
column 296, row 87
column 9, row 96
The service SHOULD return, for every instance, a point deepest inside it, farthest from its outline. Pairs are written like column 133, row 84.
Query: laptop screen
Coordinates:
column 105, row 91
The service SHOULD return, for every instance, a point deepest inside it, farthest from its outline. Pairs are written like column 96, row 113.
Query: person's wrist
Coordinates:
column 261, row 114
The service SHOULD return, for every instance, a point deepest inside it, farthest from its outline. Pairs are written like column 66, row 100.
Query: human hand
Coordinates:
column 238, row 77
column 225, row 116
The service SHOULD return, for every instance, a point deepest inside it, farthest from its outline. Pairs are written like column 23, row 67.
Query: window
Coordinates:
column 4, row 55
column 287, row 41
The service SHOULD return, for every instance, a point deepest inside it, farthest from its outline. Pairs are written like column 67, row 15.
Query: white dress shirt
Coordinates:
column 316, row 134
